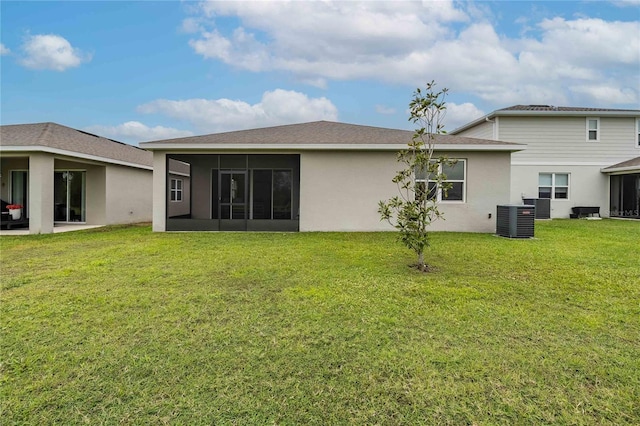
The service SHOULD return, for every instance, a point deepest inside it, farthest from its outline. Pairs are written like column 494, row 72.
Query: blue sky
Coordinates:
column 147, row 70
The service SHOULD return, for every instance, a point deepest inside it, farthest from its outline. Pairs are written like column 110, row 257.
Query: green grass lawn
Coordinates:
column 124, row 326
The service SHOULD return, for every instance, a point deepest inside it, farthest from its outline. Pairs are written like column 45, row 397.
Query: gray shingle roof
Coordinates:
column 552, row 108
column 55, row 136
column 633, row 163
column 320, row 133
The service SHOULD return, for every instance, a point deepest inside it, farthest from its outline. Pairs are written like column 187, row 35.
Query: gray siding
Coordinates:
column 481, row 131
column 563, row 139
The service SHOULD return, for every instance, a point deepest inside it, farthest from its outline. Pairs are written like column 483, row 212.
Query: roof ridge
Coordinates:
column 46, row 130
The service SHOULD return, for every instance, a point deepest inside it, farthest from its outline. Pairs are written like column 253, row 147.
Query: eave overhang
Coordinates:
column 69, row 155
column 152, row 146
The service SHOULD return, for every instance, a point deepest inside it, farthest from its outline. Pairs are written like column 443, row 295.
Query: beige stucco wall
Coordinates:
column 587, row 187
column 159, row 190
column 128, row 194
column 340, row 191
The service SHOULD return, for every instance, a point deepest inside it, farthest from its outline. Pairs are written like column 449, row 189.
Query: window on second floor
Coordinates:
column 553, row 185
column 593, row 129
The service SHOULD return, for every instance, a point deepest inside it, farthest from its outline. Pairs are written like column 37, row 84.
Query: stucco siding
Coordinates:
column 587, row 187
column 159, row 191
column 564, row 139
column 128, row 195
column 340, row 191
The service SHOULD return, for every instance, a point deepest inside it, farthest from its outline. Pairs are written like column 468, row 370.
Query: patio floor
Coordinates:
column 56, row 229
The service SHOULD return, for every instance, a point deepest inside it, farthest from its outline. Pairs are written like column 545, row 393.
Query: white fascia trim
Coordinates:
column 569, row 113
column 496, row 114
column 621, row 170
column 72, row 154
column 559, row 163
column 324, row 147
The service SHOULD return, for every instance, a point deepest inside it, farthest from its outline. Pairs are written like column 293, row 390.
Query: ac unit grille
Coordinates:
column 515, row 221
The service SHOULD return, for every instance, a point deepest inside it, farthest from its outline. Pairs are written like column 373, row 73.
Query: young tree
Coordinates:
column 422, row 179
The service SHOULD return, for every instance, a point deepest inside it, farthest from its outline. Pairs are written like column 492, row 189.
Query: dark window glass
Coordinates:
column 562, row 192
column 214, row 194
column 262, row 194
column 282, row 194
column 454, row 193
column 544, row 192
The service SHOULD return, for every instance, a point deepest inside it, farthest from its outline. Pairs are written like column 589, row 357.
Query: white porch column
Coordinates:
column 159, row 191
column 41, row 169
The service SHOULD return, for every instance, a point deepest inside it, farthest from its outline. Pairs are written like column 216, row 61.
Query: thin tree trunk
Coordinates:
column 421, row 265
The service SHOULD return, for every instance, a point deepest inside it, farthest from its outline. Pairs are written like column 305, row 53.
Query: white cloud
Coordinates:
column 4, row 50
column 52, row 52
column 218, row 115
column 625, row 3
column 604, row 93
column 384, row 110
column 412, row 42
column 134, row 131
column 457, row 115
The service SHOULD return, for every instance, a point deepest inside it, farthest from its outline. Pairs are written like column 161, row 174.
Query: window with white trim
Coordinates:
column 176, row 190
column 456, row 178
column 593, row 129
column 553, row 185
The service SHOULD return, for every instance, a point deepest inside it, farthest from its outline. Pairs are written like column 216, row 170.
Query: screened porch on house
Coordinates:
column 625, row 196
column 232, row 192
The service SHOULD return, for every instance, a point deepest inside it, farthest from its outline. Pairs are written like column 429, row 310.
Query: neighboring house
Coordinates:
column 62, row 175
column 319, row 176
column 574, row 156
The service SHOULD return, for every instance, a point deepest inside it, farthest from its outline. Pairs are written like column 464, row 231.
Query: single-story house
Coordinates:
column 318, row 176
column 63, row 175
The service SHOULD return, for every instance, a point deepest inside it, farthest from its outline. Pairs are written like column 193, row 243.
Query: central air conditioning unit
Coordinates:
column 515, row 221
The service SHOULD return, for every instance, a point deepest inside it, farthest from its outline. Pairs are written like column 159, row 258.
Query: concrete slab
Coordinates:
column 67, row 227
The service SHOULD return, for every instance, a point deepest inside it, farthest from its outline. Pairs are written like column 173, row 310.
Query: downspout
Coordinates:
column 496, row 133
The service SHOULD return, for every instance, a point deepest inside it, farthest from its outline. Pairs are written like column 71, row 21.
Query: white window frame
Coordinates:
column 554, row 186
column 597, row 129
column 463, row 181
column 638, row 133
column 175, row 190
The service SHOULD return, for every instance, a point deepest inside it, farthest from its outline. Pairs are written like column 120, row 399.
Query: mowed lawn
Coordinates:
column 124, row 326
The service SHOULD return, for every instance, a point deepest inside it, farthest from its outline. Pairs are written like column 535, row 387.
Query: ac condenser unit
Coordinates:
column 515, row 221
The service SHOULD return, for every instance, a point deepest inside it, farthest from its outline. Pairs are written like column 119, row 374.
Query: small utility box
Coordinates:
column 543, row 206
column 515, row 221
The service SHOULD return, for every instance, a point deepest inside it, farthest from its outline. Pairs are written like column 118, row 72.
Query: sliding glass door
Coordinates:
column 233, row 200
column 19, row 190
column 70, row 196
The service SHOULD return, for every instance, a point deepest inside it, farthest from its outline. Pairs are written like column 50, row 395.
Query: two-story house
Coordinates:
column 574, row 156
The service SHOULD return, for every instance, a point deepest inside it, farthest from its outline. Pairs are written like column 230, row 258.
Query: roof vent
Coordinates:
column 540, row 106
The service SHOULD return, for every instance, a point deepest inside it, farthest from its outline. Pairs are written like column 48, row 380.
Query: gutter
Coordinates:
column 152, row 146
column 71, row 154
